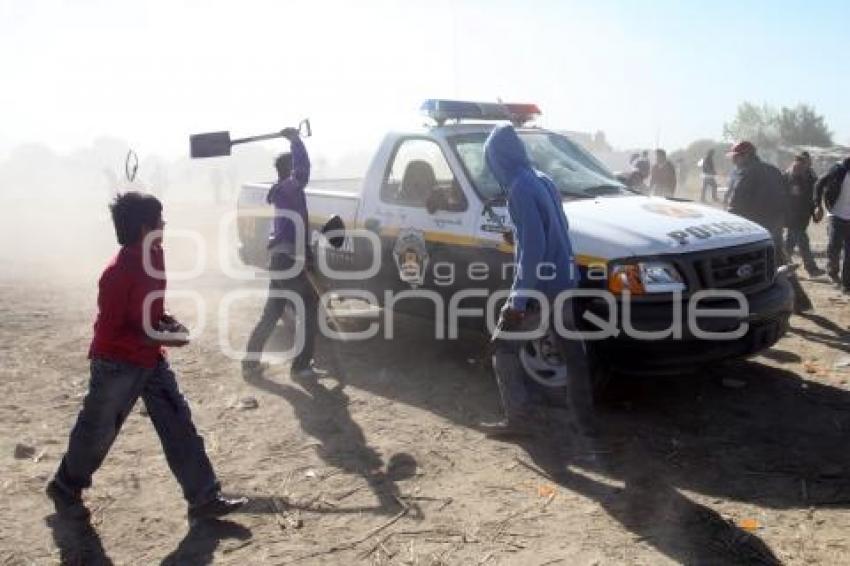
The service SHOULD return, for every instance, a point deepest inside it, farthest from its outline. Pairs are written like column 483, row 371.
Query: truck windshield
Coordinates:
column 576, row 172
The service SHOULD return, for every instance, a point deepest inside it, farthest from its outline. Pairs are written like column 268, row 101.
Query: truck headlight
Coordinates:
column 644, row 277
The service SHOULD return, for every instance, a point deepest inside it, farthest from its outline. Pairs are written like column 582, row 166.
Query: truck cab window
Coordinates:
column 575, row 172
column 419, row 174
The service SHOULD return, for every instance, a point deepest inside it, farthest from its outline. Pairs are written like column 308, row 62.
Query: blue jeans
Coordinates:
column 113, row 390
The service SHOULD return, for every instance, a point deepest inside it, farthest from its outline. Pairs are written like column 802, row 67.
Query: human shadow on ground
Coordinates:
column 835, row 336
column 777, row 442
column 828, row 325
column 78, row 542
column 202, row 540
column 323, row 413
column 782, row 356
column 643, row 499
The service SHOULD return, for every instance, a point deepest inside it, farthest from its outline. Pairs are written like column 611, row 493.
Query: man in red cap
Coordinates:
column 760, row 194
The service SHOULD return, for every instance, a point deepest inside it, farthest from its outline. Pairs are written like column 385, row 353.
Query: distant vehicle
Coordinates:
column 431, row 202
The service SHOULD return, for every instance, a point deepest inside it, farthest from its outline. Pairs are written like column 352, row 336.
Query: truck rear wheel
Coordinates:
column 253, row 250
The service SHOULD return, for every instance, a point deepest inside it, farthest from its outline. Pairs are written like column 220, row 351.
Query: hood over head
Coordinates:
column 505, row 155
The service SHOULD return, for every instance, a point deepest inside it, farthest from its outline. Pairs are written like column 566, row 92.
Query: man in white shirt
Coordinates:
column 834, row 189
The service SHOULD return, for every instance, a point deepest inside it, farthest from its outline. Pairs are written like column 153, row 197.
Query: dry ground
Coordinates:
column 381, row 462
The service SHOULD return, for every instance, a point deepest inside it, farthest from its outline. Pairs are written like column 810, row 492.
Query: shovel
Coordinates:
column 219, row 144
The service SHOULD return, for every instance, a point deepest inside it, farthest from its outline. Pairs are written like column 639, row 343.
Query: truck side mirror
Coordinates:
column 436, row 201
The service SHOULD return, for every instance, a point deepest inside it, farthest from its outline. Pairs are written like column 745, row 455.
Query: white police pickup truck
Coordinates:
column 667, row 286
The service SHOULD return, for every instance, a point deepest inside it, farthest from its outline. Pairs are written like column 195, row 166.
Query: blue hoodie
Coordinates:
column 541, row 228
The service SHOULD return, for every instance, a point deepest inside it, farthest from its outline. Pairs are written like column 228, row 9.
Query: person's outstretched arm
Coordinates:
column 300, row 174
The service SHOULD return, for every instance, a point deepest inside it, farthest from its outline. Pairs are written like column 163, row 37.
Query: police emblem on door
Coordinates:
column 411, row 257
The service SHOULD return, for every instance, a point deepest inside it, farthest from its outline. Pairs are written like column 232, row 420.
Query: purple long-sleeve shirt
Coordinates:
column 288, row 194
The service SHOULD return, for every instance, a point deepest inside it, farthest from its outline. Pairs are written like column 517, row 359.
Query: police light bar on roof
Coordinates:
column 442, row 110
column 522, row 112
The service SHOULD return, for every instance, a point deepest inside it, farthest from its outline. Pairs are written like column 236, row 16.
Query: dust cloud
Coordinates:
column 54, row 216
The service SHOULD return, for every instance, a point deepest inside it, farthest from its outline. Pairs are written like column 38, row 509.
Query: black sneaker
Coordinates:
column 216, row 507
column 309, row 371
column 505, row 429
column 68, row 505
column 816, row 272
column 253, row 370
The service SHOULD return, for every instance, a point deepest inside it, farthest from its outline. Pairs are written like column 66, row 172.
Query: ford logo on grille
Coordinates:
column 745, row 271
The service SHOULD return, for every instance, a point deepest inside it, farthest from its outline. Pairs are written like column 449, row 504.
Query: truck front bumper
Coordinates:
column 769, row 312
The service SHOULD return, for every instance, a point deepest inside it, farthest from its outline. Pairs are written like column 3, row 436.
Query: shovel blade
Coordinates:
column 212, row 144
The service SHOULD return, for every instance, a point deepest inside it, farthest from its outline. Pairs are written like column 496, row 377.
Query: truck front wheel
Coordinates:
column 550, row 368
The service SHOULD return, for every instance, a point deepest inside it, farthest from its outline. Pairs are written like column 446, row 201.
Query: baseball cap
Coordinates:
column 742, row 148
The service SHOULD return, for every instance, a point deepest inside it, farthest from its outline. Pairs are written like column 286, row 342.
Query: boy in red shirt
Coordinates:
column 128, row 362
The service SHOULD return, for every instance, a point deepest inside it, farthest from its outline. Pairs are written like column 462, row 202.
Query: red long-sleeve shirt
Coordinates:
column 119, row 333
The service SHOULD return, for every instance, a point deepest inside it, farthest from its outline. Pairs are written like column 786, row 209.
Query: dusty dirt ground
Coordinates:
column 381, row 463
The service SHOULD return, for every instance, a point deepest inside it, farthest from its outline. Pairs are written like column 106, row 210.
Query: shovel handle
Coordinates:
column 305, row 125
column 256, row 138
column 304, row 130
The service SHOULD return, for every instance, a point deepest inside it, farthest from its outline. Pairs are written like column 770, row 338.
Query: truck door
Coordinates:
column 424, row 219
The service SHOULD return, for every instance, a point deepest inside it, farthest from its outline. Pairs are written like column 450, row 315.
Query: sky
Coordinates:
column 662, row 73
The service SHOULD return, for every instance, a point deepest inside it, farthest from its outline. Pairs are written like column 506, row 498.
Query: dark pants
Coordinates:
column 511, row 378
column 709, row 185
column 113, row 390
column 275, row 307
column 798, row 238
column 839, row 241
column 802, row 302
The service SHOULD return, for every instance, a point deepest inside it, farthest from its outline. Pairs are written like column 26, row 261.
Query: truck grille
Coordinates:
column 741, row 269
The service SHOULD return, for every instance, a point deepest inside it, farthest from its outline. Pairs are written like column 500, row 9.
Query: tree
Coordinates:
column 757, row 124
column 767, row 128
column 803, row 126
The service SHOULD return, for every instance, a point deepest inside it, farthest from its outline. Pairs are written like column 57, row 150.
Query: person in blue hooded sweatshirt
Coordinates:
column 544, row 263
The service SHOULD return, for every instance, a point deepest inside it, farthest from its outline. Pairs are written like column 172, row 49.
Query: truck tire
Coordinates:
column 546, row 373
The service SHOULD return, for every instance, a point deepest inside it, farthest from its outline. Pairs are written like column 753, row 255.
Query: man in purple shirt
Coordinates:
column 288, row 240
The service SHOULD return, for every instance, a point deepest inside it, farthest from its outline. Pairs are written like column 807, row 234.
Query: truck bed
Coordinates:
column 325, row 197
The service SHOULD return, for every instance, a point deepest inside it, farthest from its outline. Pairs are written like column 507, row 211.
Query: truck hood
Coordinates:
column 616, row 227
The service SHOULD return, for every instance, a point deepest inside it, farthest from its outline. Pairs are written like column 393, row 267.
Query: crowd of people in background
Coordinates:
column 661, row 175
column 784, row 202
column 709, row 176
column 787, row 202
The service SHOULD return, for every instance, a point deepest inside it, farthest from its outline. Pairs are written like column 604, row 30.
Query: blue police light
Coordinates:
column 442, row 110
